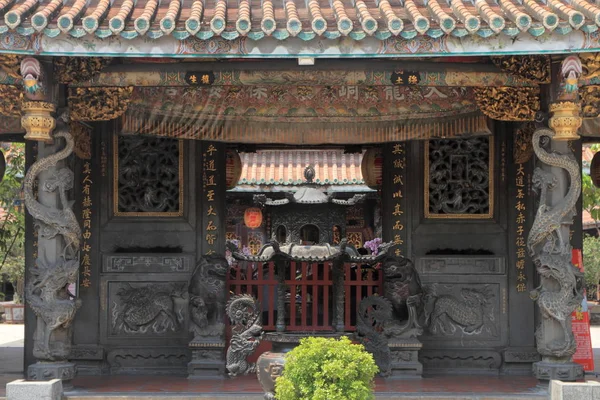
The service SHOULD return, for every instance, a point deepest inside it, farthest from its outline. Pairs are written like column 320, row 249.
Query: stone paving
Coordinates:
column 247, row 388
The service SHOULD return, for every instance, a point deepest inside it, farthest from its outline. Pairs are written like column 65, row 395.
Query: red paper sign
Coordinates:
column 581, row 324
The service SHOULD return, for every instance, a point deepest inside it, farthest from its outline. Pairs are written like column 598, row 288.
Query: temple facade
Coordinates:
column 301, row 164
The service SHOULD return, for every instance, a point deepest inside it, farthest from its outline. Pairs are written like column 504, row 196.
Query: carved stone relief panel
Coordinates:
column 461, row 310
column 148, row 263
column 474, row 265
column 459, row 178
column 156, row 360
column 148, row 176
column 451, row 360
column 147, row 309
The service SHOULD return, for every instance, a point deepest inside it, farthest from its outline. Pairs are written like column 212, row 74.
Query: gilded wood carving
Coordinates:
column 534, row 68
column 507, row 103
column 78, row 69
column 98, row 104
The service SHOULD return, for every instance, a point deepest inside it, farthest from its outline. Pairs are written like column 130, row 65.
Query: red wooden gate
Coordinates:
column 309, row 300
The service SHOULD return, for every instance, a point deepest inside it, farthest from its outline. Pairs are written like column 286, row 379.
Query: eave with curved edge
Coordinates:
column 312, row 28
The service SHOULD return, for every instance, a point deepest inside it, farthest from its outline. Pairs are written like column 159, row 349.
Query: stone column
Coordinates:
column 59, row 233
column 558, row 181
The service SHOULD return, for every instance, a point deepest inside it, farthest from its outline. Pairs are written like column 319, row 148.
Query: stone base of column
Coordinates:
column 546, row 371
column 208, row 359
column 519, row 360
column 47, row 370
column 404, row 354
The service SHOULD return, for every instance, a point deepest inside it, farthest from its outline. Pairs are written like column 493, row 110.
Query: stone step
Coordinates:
column 233, row 396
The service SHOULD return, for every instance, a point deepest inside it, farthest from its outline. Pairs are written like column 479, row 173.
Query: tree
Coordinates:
column 591, row 255
column 12, row 224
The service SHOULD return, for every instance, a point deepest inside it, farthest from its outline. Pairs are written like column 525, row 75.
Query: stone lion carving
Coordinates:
column 402, row 287
column 208, row 297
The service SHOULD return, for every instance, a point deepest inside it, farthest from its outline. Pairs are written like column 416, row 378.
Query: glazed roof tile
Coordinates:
column 305, row 19
column 286, row 167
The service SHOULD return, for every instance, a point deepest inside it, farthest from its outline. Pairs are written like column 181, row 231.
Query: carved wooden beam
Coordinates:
column 590, row 101
column 78, row 69
column 10, row 100
column 534, row 68
column 508, row 103
column 98, row 104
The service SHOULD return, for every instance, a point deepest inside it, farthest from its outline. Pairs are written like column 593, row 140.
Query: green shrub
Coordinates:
column 327, row 369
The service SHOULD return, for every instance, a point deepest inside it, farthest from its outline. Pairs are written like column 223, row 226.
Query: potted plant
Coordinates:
column 327, row 369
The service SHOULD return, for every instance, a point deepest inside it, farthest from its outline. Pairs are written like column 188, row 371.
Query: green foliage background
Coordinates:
column 12, row 225
column 327, row 369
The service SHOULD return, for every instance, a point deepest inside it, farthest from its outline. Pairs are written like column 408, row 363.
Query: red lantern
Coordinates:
column 372, row 167
column 233, row 168
column 253, row 217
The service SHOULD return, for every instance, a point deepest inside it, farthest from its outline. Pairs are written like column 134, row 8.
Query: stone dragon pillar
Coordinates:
column 58, row 230
column 558, row 182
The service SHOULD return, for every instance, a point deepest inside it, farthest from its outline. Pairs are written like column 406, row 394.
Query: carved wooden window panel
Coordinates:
column 459, row 178
column 148, row 177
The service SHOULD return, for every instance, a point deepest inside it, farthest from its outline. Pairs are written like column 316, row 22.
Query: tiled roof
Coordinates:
column 286, row 167
column 305, row 19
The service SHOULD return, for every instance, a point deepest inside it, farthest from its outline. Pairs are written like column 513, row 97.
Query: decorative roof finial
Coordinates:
column 309, row 174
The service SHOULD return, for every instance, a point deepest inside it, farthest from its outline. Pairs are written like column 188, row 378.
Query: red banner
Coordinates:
column 581, row 324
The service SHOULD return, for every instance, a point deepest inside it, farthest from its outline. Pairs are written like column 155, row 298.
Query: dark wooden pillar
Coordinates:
column 518, row 160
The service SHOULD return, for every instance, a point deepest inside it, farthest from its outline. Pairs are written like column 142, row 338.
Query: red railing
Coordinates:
column 312, row 307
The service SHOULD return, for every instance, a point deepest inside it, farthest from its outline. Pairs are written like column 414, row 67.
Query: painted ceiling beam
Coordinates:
column 160, row 77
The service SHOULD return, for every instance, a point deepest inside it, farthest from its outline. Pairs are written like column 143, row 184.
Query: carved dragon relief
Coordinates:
column 46, row 289
column 374, row 312
column 551, row 250
column 446, row 313
column 148, row 308
column 52, row 221
column 246, row 331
